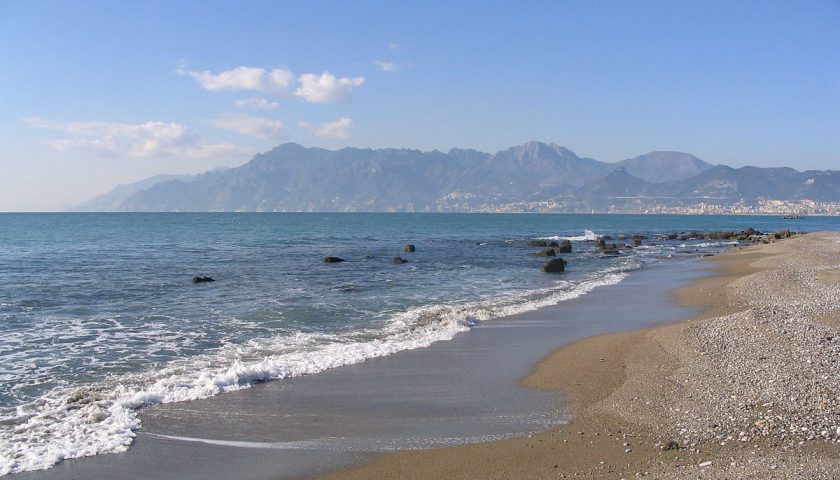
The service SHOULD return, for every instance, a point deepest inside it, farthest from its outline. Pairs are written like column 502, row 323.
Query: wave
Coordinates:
column 587, row 235
column 102, row 418
column 708, row 244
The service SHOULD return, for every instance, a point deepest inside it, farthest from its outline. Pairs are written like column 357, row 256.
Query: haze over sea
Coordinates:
column 99, row 316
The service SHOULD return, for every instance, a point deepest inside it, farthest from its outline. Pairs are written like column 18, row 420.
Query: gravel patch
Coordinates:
column 760, row 386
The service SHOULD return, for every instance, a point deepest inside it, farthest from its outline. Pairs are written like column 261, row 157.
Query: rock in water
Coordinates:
column 537, row 243
column 398, row 260
column 544, row 253
column 333, row 260
column 409, row 248
column 554, row 266
column 564, row 248
column 200, row 279
column 637, row 242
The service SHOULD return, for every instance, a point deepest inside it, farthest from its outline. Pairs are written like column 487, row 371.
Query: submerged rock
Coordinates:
column 333, row 260
column 555, row 265
column 610, row 249
column 544, row 253
column 399, row 260
column 409, row 248
column 200, row 279
column 537, row 243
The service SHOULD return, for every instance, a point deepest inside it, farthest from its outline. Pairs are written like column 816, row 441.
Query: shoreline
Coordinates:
column 633, row 397
column 462, row 390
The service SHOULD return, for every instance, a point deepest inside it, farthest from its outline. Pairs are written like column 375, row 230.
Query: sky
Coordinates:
column 95, row 94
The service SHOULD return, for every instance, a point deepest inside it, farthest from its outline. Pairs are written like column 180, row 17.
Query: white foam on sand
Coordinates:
column 708, row 244
column 101, row 418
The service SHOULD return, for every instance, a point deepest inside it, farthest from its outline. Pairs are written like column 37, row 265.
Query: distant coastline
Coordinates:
column 534, row 177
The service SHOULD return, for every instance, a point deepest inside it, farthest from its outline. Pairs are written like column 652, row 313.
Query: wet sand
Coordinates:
column 646, row 402
column 465, row 390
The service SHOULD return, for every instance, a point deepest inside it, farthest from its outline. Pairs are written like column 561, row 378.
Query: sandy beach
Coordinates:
column 749, row 388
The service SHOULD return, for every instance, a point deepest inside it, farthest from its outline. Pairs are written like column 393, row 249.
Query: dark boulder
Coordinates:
column 544, row 253
column 537, row 243
column 398, row 260
column 553, row 244
column 555, row 265
column 333, row 260
column 637, row 242
column 600, row 243
column 721, row 235
column 409, row 248
column 782, row 234
column 200, row 279
column 565, row 248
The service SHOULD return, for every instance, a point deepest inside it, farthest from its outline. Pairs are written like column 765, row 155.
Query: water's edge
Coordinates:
column 273, row 428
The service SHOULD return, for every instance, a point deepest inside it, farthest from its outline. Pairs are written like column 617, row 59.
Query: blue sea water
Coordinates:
column 99, row 316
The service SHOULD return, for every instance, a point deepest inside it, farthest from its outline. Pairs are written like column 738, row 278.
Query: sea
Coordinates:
column 99, row 316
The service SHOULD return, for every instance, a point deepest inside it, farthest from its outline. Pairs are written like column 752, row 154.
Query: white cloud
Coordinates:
column 394, row 46
column 387, row 66
column 144, row 140
column 262, row 128
column 326, row 88
column 272, row 82
column 256, row 103
column 339, row 129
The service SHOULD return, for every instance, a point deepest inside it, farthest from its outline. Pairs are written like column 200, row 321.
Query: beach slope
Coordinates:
column 749, row 388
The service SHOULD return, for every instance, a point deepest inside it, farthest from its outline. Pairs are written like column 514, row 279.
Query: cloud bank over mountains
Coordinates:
column 159, row 139
column 125, row 140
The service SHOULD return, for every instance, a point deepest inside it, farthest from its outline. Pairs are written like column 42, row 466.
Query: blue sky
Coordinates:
column 93, row 94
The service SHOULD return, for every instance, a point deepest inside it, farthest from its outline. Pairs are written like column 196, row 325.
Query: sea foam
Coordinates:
column 102, row 418
column 588, row 235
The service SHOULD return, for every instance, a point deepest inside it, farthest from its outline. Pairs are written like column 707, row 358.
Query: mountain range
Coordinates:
column 531, row 177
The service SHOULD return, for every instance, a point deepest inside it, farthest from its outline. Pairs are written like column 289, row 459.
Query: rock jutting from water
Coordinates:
column 555, row 265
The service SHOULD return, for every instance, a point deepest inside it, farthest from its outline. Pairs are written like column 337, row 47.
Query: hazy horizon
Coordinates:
column 100, row 94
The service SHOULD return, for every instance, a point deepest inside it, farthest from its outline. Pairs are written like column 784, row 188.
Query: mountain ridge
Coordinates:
column 534, row 176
